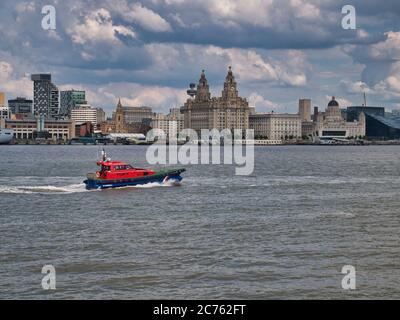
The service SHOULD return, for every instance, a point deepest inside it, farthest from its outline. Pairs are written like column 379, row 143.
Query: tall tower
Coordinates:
column 203, row 89
column 230, row 91
column 305, row 109
column 119, row 118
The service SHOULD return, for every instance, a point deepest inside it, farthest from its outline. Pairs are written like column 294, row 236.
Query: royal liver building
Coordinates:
column 226, row 112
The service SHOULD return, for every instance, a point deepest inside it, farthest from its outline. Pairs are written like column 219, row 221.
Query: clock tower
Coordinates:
column 230, row 91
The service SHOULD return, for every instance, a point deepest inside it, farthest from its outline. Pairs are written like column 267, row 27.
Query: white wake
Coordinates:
column 72, row 188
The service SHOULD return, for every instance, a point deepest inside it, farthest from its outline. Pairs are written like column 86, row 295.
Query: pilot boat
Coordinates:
column 116, row 174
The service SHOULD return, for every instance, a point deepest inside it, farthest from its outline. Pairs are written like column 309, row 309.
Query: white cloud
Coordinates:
column 354, row 87
column 6, row 70
column 25, row 7
column 12, row 86
column 161, row 98
column 262, row 104
column 98, row 27
column 389, row 49
column 382, row 66
column 146, row 18
column 289, row 68
column 251, row 66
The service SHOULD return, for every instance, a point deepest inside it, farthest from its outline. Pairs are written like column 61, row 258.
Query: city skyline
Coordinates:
column 148, row 52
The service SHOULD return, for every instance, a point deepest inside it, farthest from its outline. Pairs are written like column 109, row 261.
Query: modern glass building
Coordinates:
column 70, row 100
column 381, row 127
column 375, row 120
column 353, row 112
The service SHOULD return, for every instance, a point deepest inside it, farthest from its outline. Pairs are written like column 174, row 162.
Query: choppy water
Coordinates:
column 284, row 232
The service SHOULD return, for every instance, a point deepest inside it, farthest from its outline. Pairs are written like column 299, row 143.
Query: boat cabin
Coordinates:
column 120, row 170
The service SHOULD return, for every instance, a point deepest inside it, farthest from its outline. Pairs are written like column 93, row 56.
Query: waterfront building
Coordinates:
column 21, row 107
column 84, row 129
column 29, row 128
column 382, row 127
column 117, row 124
column 45, row 96
column 172, row 121
column 84, row 113
column 230, row 111
column 71, row 99
column 331, row 124
column 136, row 114
column 353, row 112
column 305, row 110
column 396, row 113
column 275, row 126
column 128, row 120
column 101, row 116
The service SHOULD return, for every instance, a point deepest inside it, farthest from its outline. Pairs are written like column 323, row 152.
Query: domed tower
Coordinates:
column 333, row 103
column 333, row 111
column 203, row 89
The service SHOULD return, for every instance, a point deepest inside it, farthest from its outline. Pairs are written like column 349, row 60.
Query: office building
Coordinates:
column 136, row 115
column 275, row 126
column 71, row 99
column 84, row 113
column 45, row 96
column 352, row 113
column 21, row 107
column 173, row 121
column 31, row 128
column 101, row 116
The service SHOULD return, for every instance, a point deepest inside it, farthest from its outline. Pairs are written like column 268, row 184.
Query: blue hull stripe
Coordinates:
column 104, row 184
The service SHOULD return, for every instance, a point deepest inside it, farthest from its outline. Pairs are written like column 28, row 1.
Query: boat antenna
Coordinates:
column 103, row 155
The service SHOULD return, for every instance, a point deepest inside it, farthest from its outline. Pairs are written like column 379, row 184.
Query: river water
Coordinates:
column 285, row 232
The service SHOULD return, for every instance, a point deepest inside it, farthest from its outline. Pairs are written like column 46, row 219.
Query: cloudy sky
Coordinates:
column 147, row 52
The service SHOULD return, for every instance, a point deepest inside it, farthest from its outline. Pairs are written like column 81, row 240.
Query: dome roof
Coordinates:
column 333, row 103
